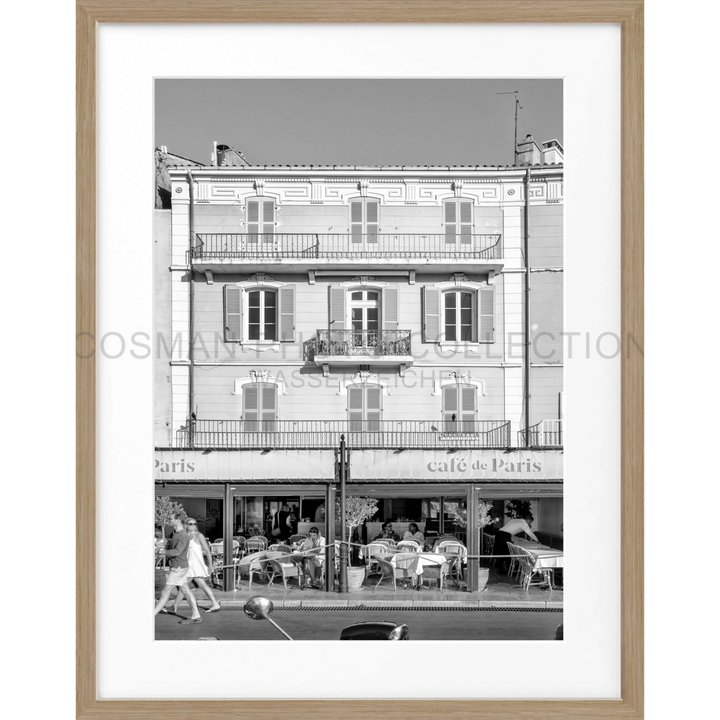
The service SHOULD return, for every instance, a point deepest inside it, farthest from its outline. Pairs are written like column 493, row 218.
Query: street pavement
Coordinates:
column 233, row 624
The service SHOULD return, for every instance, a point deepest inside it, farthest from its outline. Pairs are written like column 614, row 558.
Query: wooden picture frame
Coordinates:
column 629, row 15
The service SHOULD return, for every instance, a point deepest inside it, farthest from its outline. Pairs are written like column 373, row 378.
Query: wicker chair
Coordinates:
column 286, row 569
column 388, row 571
column 371, row 550
column 438, row 572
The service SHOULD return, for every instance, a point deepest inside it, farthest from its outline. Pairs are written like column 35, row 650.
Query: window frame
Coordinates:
column 261, row 424
column 364, row 234
column 459, row 429
column 457, row 238
column 265, row 228
column 285, row 320
column 460, row 284
column 263, row 293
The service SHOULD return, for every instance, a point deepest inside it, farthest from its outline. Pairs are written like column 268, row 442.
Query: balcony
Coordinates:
column 221, row 252
column 325, row 434
column 546, row 433
column 379, row 348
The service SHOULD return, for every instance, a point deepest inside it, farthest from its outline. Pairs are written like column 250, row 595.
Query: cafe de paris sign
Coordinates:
column 463, row 465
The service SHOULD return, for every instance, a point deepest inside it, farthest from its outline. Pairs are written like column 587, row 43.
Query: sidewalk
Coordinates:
column 500, row 592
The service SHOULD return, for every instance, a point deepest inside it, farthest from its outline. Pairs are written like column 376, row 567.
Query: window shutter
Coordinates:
column 372, row 407
column 233, row 313
column 268, row 220
column 467, row 407
column 355, row 406
column 286, row 301
column 431, row 317
column 253, row 219
column 390, row 309
column 250, row 405
column 337, row 308
column 487, row 314
column 371, row 220
column 465, row 222
column 450, row 408
column 269, row 407
column 356, row 220
column 450, row 222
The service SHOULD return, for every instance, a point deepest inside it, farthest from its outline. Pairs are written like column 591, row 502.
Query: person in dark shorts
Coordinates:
column 505, row 535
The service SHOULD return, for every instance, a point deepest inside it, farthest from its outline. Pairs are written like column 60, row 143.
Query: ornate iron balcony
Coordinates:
column 360, row 434
column 342, row 246
column 365, row 343
column 546, row 433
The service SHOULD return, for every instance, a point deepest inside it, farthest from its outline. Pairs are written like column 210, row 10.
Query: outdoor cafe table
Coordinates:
column 415, row 562
column 545, row 557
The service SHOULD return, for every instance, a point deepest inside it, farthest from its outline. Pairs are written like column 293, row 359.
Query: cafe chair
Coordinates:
column 250, row 566
column 286, row 569
column 280, row 547
column 453, row 547
column 514, row 566
column 296, row 539
column 370, row 552
column 530, row 574
column 408, row 546
column 489, row 547
column 255, row 544
column 388, row 571
column 238, row 546
column 439, row 572
column 384, row 541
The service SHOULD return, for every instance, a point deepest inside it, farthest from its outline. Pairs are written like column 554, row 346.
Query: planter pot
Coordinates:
column 482, row 578
column 355, row 576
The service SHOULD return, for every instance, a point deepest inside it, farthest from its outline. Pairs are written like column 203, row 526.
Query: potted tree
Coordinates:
column 517, row 508
column 484, row 518
column 164, row 508
column 357, row 511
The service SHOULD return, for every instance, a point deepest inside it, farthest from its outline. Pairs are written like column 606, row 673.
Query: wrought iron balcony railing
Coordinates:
column 362, row 342
column 344, row 246
column 546, row 433
column 360, row 434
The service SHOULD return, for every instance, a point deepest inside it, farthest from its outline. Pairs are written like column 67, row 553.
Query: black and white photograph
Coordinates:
column 358, row 380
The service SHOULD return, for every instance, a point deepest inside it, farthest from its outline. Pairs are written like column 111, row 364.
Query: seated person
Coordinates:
column 313, row 563
column 413, row 533
column 387, row 533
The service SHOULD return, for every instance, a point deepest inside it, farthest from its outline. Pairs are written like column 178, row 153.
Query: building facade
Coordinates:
column 416, row 311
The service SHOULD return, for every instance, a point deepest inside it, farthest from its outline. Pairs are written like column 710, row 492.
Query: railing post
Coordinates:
column 329, row 537
column 343, row 544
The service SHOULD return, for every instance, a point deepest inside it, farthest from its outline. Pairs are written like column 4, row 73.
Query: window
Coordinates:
column 260, row 216
column 459, row 314
column 262, row 315
column 259, row 314
column 458, row 221
column 359, row 309
column 364, row 407
column 459, row 407
column 364, row 215
column 260, row 407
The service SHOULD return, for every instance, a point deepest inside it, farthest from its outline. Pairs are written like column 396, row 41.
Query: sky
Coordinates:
column 355, row 121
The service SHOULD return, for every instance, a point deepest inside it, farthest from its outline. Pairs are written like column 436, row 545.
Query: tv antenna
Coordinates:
column 518, row 106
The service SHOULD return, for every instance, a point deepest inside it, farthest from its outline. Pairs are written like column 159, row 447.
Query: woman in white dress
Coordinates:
column 197, row 570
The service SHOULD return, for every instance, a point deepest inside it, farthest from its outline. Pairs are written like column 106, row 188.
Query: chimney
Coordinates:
column 528, row 152
column 552, row 153
column 228, row 157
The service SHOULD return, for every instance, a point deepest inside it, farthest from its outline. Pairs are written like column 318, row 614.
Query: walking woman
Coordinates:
column 197, row 570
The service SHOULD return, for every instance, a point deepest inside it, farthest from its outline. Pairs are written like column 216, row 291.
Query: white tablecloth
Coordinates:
column 415, row 562
column 545, row 557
